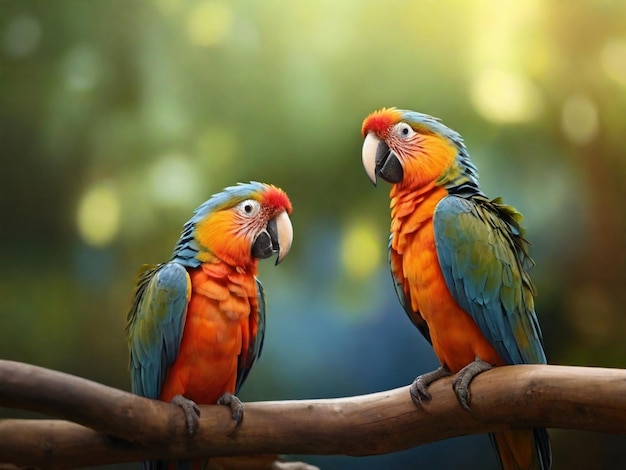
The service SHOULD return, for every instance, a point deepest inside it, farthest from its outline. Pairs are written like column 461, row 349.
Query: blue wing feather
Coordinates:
column 483, row 258
column 155, row 325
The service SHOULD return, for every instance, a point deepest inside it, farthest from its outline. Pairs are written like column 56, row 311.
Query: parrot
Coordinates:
column 196, row 323
column 459, row 264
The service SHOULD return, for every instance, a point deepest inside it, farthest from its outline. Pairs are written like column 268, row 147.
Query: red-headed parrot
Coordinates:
column 197, row 322
column 459, row 263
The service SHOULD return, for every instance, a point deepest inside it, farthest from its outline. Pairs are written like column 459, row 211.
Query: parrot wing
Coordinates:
column 483, row 258
column 155, row 325
column 398, row 284
column 256, row 334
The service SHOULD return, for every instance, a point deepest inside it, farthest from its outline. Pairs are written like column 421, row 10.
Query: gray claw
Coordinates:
column 192, row 412
column 419, row 388
column 464, row 378
column 236, row 407
column 419, row 392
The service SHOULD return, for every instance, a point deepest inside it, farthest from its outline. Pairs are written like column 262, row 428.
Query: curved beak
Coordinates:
column 281, row 232
column 275, row 238
column 369, row 155
column 380, row 160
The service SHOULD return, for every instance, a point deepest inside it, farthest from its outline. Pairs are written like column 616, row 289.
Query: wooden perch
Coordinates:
column 111, row 426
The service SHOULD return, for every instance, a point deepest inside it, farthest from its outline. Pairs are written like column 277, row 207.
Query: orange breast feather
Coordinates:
column 216, row 331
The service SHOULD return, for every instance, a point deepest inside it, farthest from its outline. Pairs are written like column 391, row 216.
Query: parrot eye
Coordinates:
column 404, row 131
column 249, row 207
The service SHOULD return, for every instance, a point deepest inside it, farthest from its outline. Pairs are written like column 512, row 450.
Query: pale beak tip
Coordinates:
column 368, row 156
column 285, row 236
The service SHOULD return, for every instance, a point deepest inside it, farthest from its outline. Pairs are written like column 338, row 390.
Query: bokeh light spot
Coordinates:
column 579, row 119
column 209, row 23
column 505, row 97
column 22, row 36
column 613, row 59
column 98, row 217
column 360, row 249
column 81, row 68
column 174, row 181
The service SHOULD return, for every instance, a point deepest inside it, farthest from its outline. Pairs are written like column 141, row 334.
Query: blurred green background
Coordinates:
column 118, row 118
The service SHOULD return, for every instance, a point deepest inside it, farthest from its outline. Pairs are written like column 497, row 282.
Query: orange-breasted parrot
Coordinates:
column 196, row 323
column 459, row 263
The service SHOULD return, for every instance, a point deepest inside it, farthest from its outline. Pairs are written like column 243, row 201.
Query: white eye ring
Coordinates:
column 248, row 208
column 404, row 131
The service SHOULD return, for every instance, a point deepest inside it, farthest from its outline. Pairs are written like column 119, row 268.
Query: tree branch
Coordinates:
column 125, row 427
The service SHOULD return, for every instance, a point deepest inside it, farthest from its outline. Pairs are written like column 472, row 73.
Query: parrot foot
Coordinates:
column 236, row 407
column 192, row 412
column 462, row 381
column 419, row 388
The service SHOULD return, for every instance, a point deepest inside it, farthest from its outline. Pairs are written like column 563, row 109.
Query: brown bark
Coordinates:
column 125, row 427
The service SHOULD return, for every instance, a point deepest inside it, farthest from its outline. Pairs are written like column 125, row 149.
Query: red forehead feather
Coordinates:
column 380, row 121
column 276, row 198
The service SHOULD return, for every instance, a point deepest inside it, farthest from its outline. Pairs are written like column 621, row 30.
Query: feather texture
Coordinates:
column 459, row 261
column 196, row 323
column 155, row 325
column 481, row 256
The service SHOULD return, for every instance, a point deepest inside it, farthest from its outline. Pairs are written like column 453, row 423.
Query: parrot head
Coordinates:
column 239, row 225
column 412, row 150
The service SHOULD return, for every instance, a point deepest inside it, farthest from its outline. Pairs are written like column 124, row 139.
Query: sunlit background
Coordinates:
column 118, row 118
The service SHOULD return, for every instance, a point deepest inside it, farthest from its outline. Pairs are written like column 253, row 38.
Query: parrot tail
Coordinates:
column 523, row 449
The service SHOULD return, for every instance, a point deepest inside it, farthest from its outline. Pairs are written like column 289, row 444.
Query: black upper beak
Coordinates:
column 263, row 246
column 380, row 160
column 275, row 238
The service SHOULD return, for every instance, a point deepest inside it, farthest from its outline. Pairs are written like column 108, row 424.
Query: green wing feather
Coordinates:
column 484, row 260
column 155, row 325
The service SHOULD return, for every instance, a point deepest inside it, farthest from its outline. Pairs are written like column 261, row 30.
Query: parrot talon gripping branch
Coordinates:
column 196, row 323
column 191, row 410
column 459, row 264
column 235, row 405
column 419, row 388
column 464, row 377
